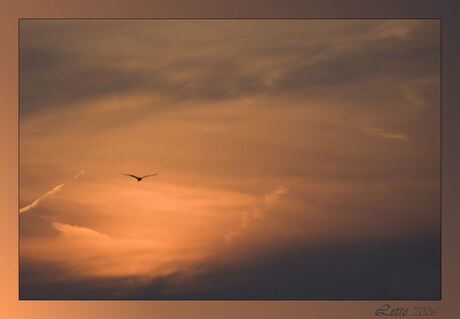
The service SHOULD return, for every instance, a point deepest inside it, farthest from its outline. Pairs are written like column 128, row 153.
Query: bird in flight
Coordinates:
column 140, row 178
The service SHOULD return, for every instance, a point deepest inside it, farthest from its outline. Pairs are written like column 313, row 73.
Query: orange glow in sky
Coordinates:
column 266, row 135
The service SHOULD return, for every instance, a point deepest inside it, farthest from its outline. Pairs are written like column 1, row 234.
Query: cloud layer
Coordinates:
column 275, row 140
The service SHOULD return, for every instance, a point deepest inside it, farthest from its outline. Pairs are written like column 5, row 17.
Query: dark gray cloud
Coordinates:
column 54, row 79
column 36, row 225
column 378, row 270
column 358, row 68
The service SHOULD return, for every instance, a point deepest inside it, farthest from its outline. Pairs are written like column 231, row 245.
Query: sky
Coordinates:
column 296, row 159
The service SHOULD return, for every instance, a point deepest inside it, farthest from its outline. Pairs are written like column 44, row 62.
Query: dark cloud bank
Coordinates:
column 379, row 270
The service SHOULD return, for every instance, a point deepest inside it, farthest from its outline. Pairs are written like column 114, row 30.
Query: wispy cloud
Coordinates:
column 92, row 253
column 258, row 211
column 49, row 193
column 78, row 231
column 79, row 174
column 382, row 133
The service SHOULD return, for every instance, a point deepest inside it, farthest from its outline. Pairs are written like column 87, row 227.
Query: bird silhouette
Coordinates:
column 140, row 178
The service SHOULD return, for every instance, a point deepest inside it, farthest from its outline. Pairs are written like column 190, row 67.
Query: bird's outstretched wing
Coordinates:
column 150, row 175
column 134, row 176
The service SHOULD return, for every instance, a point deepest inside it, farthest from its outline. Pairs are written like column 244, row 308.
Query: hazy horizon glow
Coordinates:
column 272, row 138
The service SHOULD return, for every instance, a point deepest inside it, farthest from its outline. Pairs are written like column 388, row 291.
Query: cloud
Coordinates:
column 258, row 211
column 390, row 270
column 55, row 71
column 223, row 112
column 83, row 252
column 272, row 197
column 382, row 133
column 330, row 271
column 79, row 174
column 78, row 231
column 49, row 193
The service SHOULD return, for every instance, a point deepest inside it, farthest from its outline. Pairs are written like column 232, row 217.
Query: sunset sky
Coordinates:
column 297, row 159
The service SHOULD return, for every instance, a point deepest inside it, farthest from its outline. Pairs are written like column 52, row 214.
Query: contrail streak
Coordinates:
column 49, row 193
column 79, row 174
